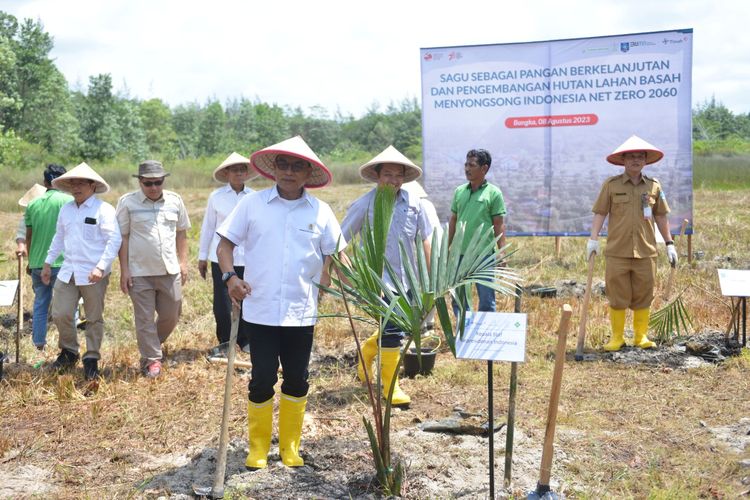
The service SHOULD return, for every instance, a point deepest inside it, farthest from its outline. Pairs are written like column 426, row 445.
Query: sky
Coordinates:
column 350, row 56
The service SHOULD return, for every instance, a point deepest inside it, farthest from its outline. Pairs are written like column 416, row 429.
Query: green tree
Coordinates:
column 161, row 137
column 99, row 120
column 131, row 134
column 211, row 130
column 186, row 120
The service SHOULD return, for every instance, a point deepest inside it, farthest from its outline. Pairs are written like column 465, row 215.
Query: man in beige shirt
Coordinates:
column 153, row 260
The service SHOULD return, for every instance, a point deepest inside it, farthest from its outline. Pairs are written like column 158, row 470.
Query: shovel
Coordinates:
column 19, row 321
column 217, row 490
column 585, row 310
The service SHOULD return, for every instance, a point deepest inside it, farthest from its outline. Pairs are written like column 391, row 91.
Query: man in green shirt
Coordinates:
column 480, row 206
column 41, row 223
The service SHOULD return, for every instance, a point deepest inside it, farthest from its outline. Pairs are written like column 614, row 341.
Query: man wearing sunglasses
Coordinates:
column 153, row 260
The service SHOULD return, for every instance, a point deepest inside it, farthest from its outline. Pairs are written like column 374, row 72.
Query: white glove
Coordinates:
column 672, row 255
column 591, row 247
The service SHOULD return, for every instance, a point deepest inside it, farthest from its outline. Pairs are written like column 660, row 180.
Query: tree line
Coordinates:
column 42, row 119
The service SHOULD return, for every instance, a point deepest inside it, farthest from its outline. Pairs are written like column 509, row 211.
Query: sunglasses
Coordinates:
column 148, row 184
column 295, row 166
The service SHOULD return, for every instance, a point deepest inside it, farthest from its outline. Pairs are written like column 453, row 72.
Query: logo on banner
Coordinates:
column 454, row 56
column 428, row 57
column 624, row 46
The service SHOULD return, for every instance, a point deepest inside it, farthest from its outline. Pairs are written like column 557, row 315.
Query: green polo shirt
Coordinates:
column 41, row 216
column 477, row 208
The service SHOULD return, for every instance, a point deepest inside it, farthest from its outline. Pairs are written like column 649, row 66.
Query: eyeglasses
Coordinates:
column 296, row 166
column 148, row 184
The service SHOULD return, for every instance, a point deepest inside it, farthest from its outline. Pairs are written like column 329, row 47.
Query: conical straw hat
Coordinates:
column 390, row 155
column 221, row 173
column 32, row 194
column 81, row 171
column 415, row 188
column 635, row 143
column 263, row 161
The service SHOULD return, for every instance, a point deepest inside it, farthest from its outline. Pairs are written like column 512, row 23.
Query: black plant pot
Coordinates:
column 411, row 362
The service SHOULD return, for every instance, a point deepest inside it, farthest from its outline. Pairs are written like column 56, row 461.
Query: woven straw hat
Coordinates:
column 415, row 188
column 221, row 173
column 32, row 194
column 634, row 144
column 81, row 171
column 390, row 155
column 263, row 161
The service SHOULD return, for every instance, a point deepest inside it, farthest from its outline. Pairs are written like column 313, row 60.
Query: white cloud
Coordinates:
column 347, row 55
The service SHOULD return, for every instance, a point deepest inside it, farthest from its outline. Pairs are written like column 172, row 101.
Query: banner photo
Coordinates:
column 549, row 113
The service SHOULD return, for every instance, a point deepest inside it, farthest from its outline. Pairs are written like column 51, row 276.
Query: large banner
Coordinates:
column 549, row 113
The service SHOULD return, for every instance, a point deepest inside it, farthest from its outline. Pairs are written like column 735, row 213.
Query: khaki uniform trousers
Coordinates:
column 157, row 302
column 65, row 297
column 630, row 282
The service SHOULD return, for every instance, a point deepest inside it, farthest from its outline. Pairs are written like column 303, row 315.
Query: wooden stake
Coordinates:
column 554, row 399
column 225, row 361
column 558, row 246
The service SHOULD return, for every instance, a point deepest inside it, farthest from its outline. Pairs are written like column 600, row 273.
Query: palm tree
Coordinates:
column 360, row 282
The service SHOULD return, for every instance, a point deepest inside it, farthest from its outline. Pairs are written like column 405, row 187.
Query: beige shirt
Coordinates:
column 629, row 233
column 152, row 229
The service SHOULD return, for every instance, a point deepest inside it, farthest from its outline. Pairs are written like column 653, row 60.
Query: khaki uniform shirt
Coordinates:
column 629, row 233
column 152, row 229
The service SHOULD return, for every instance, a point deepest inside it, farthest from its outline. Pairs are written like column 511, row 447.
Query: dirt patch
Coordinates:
column 25, row 481
column 341, row 467
column 701, row 349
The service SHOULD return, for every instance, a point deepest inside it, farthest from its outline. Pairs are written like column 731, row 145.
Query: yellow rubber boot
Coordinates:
column 369, row 351
column 640, row 328
column 259, row 428
column 617, row 321
column 291, row 414
column 388, row 364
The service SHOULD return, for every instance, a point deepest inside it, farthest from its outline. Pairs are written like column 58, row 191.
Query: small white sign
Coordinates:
column 734, row 282
column 8, row 292
column 493, row 336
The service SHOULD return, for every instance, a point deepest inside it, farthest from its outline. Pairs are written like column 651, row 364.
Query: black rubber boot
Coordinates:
column 90, row 368
column 65, row 360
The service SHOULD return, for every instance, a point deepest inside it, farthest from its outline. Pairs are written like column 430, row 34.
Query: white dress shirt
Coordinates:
column 287, row 242
column 89, row 235
column 220, row 205
column 409, row 220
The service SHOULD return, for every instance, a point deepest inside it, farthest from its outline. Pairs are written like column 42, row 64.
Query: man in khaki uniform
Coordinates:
column 153, row 260
column 633, row 202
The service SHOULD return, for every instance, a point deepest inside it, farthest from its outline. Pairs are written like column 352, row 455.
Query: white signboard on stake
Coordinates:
column 734, row 282
column 8, row 292
column 493, row 336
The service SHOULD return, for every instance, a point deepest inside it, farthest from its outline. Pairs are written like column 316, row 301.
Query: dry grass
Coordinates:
column 627, row 432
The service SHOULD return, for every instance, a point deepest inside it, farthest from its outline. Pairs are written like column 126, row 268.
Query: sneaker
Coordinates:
column 90, row 368
column 65, row 360
column 153, row 370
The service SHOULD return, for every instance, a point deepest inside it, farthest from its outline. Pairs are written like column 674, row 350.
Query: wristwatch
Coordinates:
column 227, row 276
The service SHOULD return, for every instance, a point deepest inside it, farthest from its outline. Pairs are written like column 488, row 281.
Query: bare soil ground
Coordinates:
column 665, row 423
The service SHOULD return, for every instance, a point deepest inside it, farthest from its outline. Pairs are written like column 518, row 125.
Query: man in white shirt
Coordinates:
column 409, row 222
column 88, row 233
column 288, row 236
column 235, row 171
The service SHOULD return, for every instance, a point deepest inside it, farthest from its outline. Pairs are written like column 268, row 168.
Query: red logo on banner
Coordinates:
column 551, row 121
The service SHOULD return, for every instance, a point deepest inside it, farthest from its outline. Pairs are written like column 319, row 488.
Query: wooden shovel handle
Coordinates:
column 585, row 310
column 673, row 270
